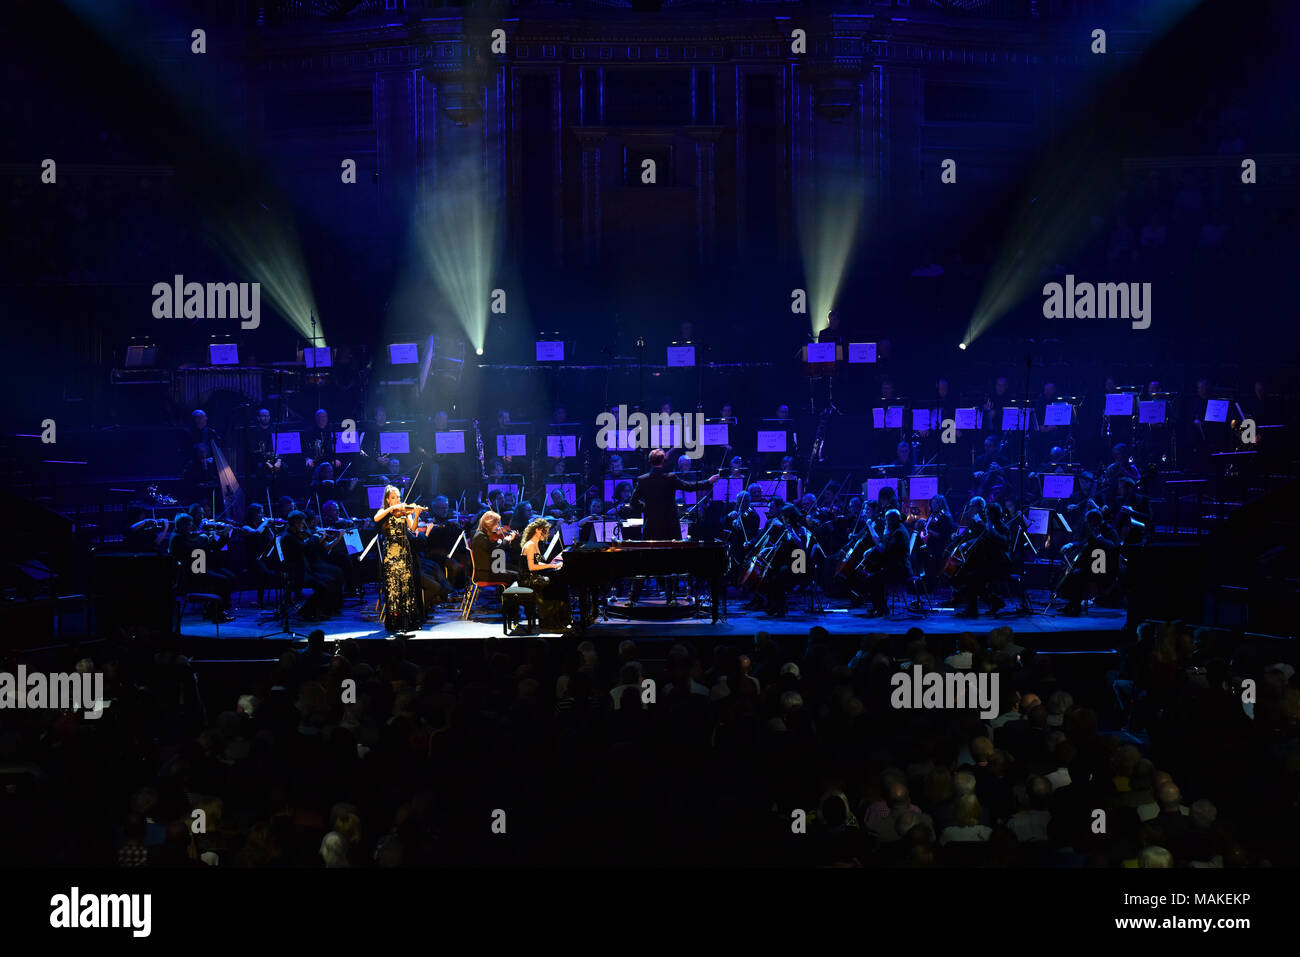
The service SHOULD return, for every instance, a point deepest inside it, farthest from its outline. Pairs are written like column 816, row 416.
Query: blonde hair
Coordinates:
column 483, row 520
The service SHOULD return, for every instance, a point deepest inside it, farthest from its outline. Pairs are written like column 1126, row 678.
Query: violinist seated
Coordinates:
column 441, row 535
column 306, row 566
column 1096, row 563
column 145, row 533
column 258, row 533
column 333, row 547
column 434, row 585
column 184, row 543
column 886, row 564
column 220, row 532
column 490, row 556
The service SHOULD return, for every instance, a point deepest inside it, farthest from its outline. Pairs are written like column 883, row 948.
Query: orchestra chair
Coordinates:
column 910, row 587
column 473, row 589
column 187, row 598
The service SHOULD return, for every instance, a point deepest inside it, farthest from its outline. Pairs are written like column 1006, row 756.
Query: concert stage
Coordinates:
column 1100, row 629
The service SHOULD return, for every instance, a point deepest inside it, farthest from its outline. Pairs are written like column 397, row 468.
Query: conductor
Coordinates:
column 656, row 495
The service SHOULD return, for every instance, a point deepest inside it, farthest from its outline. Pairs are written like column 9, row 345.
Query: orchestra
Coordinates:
column 890, row 527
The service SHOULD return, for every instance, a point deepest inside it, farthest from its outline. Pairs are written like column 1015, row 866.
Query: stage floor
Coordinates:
column 358, row 622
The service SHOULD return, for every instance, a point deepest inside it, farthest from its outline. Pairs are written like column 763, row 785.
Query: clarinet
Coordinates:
column 478, row 444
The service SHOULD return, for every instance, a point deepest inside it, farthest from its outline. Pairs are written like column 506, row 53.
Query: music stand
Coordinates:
column 283, row 609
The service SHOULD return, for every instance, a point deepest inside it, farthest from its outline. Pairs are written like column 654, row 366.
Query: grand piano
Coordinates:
column 592, row 570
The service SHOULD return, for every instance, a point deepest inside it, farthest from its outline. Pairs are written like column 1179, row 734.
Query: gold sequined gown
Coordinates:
column 401, row 601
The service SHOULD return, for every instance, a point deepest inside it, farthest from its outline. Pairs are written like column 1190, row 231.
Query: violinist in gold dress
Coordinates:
column 398, row 577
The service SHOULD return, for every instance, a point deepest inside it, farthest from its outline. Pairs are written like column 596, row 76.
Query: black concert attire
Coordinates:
column 434, row 585
column 397, row 570
column 1076, row 582
column 744, row 528
column 305, row 567
column 440, row 538
column 656, row 493
column 888, row 562
column 985, row 469
column 200, row 470
column 213, row 581
column 938, row 536
column 548, row 583
column 986, row 564
column 656, row 496
column 259, row 453
column 336, row 554
column 259, row 548
column 143, row 536
column 993, row 414
column 1110, row 479
column 483, row 545
column 561, row 512
column 318, row 445
column 375, row 462
column 780, row 578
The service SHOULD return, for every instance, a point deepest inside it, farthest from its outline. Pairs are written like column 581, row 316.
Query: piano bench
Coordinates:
column 514, row 599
